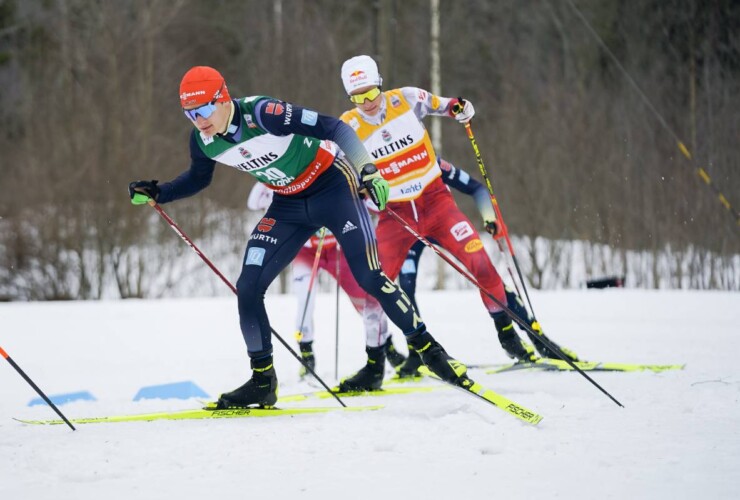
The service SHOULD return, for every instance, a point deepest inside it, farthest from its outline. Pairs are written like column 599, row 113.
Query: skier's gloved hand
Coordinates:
column 376, row 186
column 142, row 191
column 495, row 229
column 463, row 110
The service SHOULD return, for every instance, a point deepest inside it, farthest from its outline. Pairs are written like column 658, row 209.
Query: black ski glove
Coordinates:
column 376, row 186
column 141, row 191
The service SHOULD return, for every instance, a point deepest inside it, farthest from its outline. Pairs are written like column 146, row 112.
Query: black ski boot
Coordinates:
column 370, row 376
column 544, row 350
column 437, row 360
column 514, row 346
column 308, row 358
column 395, row 358
column 260, row 390
column 410, row 368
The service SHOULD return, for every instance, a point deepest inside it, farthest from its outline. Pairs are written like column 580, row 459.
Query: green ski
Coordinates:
column 491, row 397
column 203, row 414
column 385, row 391
column 547, row 364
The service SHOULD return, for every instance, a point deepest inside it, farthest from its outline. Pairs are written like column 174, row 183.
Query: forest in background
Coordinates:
column 89, row 103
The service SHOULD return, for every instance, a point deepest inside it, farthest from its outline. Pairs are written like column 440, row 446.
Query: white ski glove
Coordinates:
column 463, row 112
column 260, row 197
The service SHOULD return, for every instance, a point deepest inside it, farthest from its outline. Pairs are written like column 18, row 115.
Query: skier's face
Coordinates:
column 369, row 99
column 217, row 115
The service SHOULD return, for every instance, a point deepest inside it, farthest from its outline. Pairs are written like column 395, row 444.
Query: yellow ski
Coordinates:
column 548, row 364
column 491, row 397
column 203, row 414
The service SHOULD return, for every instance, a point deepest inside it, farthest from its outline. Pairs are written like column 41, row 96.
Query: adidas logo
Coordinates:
column 348, row 226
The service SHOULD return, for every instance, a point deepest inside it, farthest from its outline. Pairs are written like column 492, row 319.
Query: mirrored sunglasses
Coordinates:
column 365, row 96
column 205, row 111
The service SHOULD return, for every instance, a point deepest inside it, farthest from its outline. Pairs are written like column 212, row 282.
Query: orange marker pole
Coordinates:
column 314, row 272
column 35, row 387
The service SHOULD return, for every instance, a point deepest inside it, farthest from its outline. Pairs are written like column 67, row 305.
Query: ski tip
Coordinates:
column 523, row 413
column 41, row 422
column 29, row 421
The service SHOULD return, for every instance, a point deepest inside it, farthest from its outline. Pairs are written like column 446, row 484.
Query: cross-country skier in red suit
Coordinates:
column 390, row 125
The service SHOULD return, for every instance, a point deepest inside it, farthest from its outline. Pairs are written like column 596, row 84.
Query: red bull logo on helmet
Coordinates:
column 357, row 76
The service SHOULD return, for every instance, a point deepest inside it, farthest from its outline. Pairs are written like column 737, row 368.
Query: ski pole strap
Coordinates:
column 458, row 106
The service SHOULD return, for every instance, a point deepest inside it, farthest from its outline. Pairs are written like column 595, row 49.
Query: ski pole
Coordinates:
column 336, row 321
column 497, row 210
column 314, row 272
column 535, row 323
column 508, row 311
column 195, row 249
column 499, row 216
column 35, row 387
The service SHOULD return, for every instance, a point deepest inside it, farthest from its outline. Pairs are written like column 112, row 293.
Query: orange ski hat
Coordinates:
column 201, row 85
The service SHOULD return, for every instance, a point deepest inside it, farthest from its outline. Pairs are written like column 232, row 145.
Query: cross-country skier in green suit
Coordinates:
column 293, row 150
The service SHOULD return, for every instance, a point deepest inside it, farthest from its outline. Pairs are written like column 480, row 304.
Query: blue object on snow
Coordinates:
column 176, row 390
column 60, row 399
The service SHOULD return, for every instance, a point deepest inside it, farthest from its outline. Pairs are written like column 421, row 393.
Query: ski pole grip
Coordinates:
column 458, row 106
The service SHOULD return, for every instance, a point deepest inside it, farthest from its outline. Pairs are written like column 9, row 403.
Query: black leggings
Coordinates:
column 332, row 201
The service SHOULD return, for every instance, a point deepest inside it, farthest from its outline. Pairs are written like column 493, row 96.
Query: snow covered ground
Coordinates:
column 677, row 437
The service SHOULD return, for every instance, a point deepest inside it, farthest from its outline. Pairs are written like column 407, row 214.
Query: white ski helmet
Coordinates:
column 358, row 72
